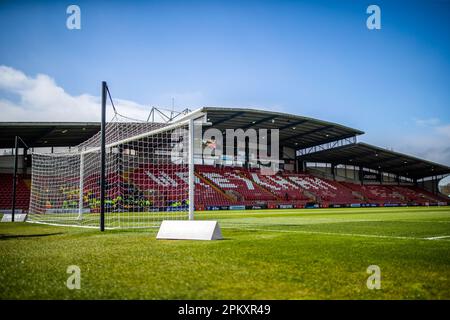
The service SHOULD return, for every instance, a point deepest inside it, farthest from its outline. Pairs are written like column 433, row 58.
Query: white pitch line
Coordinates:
column 334, row 233
column 60, row 224
column 437, row 238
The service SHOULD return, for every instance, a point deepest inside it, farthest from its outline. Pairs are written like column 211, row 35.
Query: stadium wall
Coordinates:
column 351, row 175
column 7, row 164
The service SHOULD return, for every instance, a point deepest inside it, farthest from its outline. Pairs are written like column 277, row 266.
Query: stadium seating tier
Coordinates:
column 228, row 186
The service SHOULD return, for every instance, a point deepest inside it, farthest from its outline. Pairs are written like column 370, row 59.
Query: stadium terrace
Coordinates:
column 321, row 164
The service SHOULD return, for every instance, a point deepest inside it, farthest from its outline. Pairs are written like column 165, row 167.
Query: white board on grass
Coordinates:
column 18, row 217
column 189, row 230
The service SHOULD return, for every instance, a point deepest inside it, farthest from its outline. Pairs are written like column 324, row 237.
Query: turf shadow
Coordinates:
column 18, row 236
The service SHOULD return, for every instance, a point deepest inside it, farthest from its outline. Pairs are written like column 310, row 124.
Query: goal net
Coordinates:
column 146, row 181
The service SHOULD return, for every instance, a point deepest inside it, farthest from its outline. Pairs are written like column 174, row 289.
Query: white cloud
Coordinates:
column 431, row 144
column 427, row 122
column 444, row 131
column 41, row 99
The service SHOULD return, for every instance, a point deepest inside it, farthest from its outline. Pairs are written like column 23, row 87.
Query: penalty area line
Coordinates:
column 332, row 233
column 437, row 238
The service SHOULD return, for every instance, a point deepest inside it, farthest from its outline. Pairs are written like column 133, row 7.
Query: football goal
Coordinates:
column 146, row 175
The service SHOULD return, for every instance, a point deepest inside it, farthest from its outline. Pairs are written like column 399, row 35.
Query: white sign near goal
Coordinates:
column 18, row 217
column 189, row 230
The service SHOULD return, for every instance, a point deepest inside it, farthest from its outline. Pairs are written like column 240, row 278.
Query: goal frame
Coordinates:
column 103, row 146
column 101, row 150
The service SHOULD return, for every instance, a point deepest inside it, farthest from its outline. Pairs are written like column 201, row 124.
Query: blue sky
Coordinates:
column 313, row 58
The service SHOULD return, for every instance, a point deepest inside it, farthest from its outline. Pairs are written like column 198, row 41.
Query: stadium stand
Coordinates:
column 215, row 187
column 382, row 194
column 280, row 186
column 393, row 194
column 228, row 186
column 22, row 195
column 327, row 190
column 160, row 181
column 236, row 184
column 416, row 195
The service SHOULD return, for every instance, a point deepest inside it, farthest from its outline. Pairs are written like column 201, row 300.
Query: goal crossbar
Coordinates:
column 144, row 185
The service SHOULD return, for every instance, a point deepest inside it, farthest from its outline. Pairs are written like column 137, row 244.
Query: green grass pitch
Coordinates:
column 266, row 254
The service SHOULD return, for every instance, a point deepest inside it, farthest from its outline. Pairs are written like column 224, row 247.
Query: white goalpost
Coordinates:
column 149, row 177
column 132, row 174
